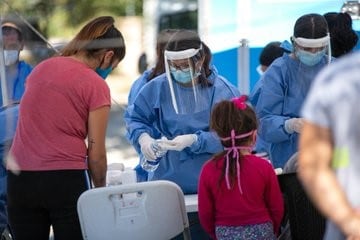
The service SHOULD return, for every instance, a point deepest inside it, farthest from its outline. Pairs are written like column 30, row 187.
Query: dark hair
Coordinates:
column 311, row 26
column 207, row 60
column 270, row 52
column 97, row 35
column 162, row 39
column 225, row 117
column 342, row 36
column 185, row 39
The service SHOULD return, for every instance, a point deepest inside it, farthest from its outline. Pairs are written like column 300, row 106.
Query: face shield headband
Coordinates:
column 315, row 43
column 178, row 55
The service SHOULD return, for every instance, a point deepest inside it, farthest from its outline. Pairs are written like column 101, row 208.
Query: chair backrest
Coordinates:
column 306, row 222
column 146, row 210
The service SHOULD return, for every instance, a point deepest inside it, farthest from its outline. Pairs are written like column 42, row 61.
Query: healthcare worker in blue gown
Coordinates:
column 159, row 68
column 270, row 52
column 16, row 72
column 178, row 104
column 286, row 84
column 147, row 76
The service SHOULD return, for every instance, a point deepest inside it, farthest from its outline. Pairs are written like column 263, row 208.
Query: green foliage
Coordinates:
column 56, row 17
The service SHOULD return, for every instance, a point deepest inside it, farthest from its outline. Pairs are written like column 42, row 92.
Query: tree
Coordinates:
column 69, row 13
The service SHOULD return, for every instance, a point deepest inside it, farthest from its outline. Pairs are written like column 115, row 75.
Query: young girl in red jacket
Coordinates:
column 239, row 195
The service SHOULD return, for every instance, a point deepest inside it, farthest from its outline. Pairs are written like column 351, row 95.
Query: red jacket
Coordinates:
column 260, row 202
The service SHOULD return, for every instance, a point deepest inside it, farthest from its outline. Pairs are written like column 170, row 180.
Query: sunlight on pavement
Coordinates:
column 119, row 150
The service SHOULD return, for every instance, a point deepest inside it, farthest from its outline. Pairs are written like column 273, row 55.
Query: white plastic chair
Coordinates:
column 148, row 210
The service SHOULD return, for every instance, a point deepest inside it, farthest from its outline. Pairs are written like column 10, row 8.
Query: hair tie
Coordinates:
column 240, row 102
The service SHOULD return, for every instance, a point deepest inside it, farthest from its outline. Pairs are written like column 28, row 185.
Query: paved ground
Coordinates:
column 118, row 148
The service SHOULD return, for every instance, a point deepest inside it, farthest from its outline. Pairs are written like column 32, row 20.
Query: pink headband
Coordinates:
column 235, row 150
column 240, row 102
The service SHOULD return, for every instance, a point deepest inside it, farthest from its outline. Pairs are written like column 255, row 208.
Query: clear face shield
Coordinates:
column 11, row 40
column 183, row 69
column 312, row 54
column 311, row 51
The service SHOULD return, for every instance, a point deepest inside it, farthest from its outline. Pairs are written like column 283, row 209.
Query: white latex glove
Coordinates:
column 294, row 125
column 159, row 150
column 146, row 143
column 179, row 142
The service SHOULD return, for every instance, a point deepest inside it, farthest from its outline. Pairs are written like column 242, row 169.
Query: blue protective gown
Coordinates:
column 261, row 145
column 137, row 85
column 152, row 112
column 285, row 85
column 8, row 121
column 141, row 174
column 17, row 85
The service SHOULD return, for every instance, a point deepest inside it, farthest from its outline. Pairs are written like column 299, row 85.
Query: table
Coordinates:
column 191, row 203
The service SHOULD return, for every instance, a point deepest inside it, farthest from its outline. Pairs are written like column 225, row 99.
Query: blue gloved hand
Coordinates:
column 179, row 142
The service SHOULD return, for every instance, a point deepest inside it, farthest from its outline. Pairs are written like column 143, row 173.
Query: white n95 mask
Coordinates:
column 11, row 57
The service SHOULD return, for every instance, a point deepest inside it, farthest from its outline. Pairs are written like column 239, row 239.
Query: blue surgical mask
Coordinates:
column 103, row 72
column 308, row 58
column 181, row 76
